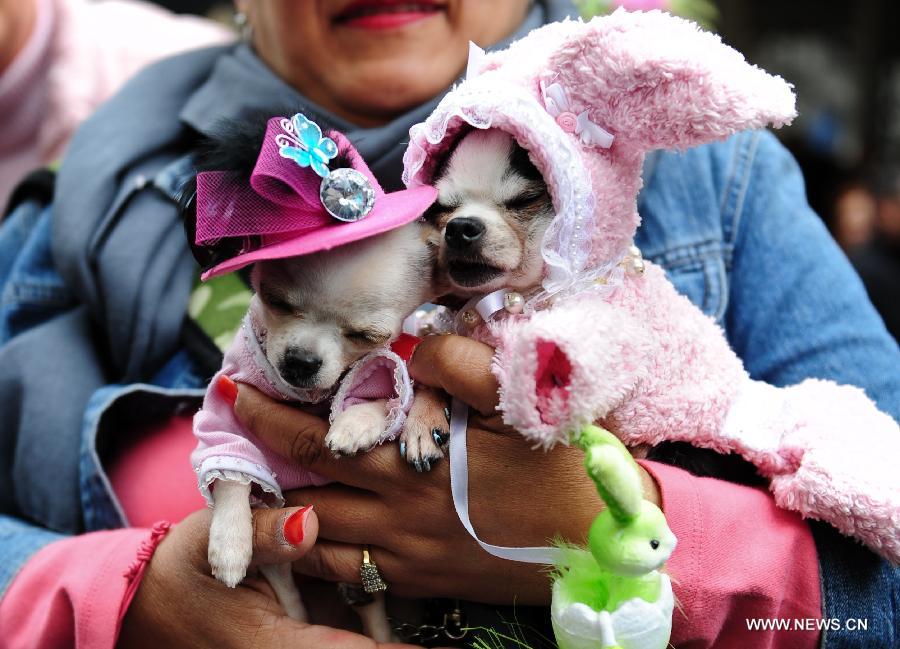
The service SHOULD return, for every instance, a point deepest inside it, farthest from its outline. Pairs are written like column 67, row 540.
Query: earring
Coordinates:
column 243, row 24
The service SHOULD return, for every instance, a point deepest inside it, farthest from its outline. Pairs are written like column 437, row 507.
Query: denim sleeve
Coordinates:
column 796, row 310
column 18, row 542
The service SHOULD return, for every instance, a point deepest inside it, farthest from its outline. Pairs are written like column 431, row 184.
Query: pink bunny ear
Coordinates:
column 657, row 81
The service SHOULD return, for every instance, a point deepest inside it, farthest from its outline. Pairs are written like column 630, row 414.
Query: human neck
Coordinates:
column 16, row 27
column 23, row 87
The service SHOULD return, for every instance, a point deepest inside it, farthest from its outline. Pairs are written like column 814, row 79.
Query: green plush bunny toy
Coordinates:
column 612, row 595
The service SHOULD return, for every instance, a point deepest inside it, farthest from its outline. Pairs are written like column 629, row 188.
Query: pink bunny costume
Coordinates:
column 620, row 345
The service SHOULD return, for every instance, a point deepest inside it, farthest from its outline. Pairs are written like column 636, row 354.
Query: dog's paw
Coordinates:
column 356, row 429
column 425, row 432
column 419, row 448
column 230, row 549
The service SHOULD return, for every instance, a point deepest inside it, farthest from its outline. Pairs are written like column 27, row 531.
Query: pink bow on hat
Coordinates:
column 294, row 204
column 557, row 104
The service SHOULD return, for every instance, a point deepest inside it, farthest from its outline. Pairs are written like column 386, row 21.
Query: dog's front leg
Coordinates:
column 231, row 532
column 358, row 428
column 281, row 579
column 425, row 430
column 374, row 619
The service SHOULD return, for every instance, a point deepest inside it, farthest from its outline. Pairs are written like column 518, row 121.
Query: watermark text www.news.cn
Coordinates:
column 806, row 624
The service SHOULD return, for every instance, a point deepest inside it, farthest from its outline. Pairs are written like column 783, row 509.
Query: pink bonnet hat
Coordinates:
column 294, row 204
column 588, row 100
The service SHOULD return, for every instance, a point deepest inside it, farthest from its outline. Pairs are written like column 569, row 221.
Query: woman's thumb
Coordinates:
column 283, row 535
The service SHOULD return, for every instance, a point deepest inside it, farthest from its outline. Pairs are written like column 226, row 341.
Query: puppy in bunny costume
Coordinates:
column 597, row 334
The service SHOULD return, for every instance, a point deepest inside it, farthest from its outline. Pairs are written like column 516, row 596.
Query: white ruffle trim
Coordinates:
column 398, row 406
column 235, row 469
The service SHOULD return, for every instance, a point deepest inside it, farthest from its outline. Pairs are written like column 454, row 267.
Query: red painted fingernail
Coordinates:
column 294, row 524
column 405, row 345
column 228, row 389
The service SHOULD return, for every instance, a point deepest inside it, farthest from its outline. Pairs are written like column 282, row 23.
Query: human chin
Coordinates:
column 390, row 86
column 435, row 41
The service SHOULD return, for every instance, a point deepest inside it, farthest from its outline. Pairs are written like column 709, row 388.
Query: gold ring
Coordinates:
column 369, row 574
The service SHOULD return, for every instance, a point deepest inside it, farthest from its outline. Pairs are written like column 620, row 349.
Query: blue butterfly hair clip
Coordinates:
column 303, row 143
column 345, row 193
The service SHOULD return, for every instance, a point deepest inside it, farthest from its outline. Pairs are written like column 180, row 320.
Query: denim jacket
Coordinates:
column 729, row 223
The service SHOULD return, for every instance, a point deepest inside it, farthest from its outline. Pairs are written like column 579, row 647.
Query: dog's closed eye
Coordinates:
column 433, row 213
column 276, row 303
column 367, row 336
column 526, row 199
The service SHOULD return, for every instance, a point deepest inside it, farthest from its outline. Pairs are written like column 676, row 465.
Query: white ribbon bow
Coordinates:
column 557, row 103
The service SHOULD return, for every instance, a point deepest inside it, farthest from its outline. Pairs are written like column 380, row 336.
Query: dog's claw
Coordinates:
column 338, row 453
column 424, row 464
column 440, row 437
column 424, row 435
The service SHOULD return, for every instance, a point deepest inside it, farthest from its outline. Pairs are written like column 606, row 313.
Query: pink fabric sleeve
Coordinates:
column 227, row 450
column 74, row 593
column 225, row 445
column 739, row 558
column 98, row 46
column 381, row 374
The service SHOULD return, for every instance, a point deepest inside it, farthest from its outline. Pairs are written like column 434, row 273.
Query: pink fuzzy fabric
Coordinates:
column 639, row 357
column 79, row 54
column 652, row 367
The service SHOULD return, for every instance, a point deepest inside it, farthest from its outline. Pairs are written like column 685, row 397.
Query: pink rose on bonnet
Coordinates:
column 588, row 100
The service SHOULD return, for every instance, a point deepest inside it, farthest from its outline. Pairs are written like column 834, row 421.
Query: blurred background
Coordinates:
column 844, row 60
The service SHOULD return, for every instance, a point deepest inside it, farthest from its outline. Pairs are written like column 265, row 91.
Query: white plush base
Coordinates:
column 636, row 624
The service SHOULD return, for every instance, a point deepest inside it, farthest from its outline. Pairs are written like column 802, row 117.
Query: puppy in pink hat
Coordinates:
column 337, row 264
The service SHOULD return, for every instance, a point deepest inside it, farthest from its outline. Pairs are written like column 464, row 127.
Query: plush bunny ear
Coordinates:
column 613, row 470
column 657, row 81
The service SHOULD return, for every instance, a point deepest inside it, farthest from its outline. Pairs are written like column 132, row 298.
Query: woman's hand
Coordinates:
column 178, row 603
column 518, row 496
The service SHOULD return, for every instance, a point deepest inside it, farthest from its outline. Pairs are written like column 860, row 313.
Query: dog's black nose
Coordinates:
column 464, row 231
column 298, row 366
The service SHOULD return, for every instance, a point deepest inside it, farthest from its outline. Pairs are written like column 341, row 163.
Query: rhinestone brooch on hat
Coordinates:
column 346, row 194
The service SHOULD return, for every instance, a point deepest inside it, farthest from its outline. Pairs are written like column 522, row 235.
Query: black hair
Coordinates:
column 520, row 161
column 706, row 463
column 233, row 147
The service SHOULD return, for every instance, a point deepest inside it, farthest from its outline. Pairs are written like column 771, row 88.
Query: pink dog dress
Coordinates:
column 226, row 450
column 293, row 205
